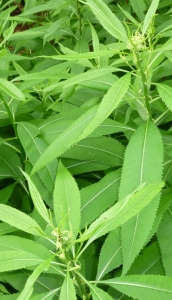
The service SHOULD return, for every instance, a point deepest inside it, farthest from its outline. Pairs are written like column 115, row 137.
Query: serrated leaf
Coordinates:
column 99, row 294
column 148, row 262
column 102, row 149
column 86, row 124
column 108, row 19
column 19, row 220
column 121, row 212
column 149, row 15
column 142, row 163
column 108, row 104
column 66, row 202
column 65, row 140
column 98, row 197
column 37, row 199
column 143, row 287
column 14, row 260
column 28, row 288
column 110, row 256
column 11, row 89
column 165, row 93
column 16, row 243
column 34, row 147
column 165, row 241
column 45, row 296
column 68, row 289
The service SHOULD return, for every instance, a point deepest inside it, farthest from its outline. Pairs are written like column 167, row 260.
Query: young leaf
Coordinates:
column 19, row 220
column 143, row 162
column 143, row 287
column 68, row 289
column 108, row 19
column 66, row 202
column 150, row 14
column 37, row 200
column 28, row 289
column 11, row 89
column 110, row 256
column 121, row 212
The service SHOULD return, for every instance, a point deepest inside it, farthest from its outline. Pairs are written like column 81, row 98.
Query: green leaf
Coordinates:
column 102, row 149
column 34, row 147
column 6, row 228
column 143, row 162
column 110, row 256
column 6, row 193
column 37, row 200
column 165, row 241
column 28, row 289
column 165, row 93
column 11, row 89
column 10, row 163
column 108, row 19
column 16, row 243
column 121, row 212
column 19, row 220
column 66, row 202
column 143, row 287
column 108, row 104
column 68, row 289
column 99, row 294
column 138, row 8
column 98, row 197
column 148, row 262
column 65, row 140
column 14, row 260
column 149, row 15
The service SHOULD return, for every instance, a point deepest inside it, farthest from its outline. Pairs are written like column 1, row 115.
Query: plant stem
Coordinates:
column 145, row 84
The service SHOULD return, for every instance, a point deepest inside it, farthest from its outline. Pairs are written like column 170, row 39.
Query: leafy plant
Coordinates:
column 85, row 150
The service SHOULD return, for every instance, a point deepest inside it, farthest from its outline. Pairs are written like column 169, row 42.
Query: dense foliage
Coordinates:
column 85, row 150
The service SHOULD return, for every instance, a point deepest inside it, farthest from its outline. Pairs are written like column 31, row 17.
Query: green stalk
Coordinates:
column 145, row 84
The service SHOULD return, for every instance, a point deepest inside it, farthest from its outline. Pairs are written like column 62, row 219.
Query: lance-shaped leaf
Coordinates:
column 28, row 288
column 68, row 289
column 99, row 294
column 66, row 201
column 37, row 200
column 108, row 104
column 65, row 140
column 165, row 241
column 121, row 212
column 19, row 220
column 110, row 254
column 23, row 245
column 108, row 19
column 85, row 124
column 11, row 89
column 15, row 260
column 150, row 14
column 143, row 287
column 143, row 162
column 34, row 147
